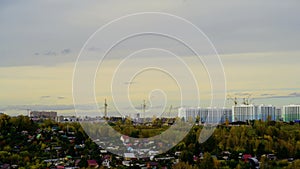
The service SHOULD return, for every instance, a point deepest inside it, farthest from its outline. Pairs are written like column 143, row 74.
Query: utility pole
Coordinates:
column 28, row 112
column 105, row 109
column 144, row 108
column 170, row 110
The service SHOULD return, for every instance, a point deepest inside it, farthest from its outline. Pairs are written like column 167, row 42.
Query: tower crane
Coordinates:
column 143, row 107
column 247, row 100
column 232, row 99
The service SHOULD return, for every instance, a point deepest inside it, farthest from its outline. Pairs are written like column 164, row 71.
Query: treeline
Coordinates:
column 27, row 143
column 256, row 138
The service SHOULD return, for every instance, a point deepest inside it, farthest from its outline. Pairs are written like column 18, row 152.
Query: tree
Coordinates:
column 207, row 162
column 210, row 144
column 4, row 124
column 226, row 122
column 295, row 164
column 186, row 156
column 197, row 119
column 181, row 146
column 282, row 152
column 4, row 155
column 183, row 165
column 260, row 149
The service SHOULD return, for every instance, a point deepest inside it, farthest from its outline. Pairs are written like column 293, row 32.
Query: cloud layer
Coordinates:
column 258, row 42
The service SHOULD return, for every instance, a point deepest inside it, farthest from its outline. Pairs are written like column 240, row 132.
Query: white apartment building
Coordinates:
column 267, row 112
column 254, row 112
column 291, row 113
column 205, row 115
column 245, row 112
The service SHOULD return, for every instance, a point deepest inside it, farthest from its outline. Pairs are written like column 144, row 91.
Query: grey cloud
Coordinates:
column 237, row 27
column 271, row 96
column 38, row 107
column 55, row 97
column 277, row 96
column 242, row 94
column 94, row 49
column 129, row 83
column 45, row 97
column 267, row 94
column 65, row 51
column 50, row 53
column 295, row 94
column 140, row 107
column 54, row 53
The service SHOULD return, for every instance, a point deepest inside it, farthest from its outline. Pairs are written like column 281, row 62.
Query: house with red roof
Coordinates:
column 92, row 163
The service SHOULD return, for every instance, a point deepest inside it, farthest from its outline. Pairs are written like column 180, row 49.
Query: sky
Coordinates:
column 40, row 41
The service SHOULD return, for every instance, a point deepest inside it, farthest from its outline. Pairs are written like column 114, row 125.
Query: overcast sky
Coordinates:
column 258, row 43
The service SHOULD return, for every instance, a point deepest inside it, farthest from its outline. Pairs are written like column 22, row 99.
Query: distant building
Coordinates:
column 43, row 114
column 188, row 113
column 267, row 112
column 227, row 115
column 245, row 112
column 137, row 119
column 278, row 114
column 254, row 112
column 291, row 113
column 67, row 119
column 205, row 115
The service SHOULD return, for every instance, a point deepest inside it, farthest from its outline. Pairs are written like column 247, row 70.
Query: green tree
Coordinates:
column 186, row 156
column 294, row 165
column 183, row 165
column 207, row 162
